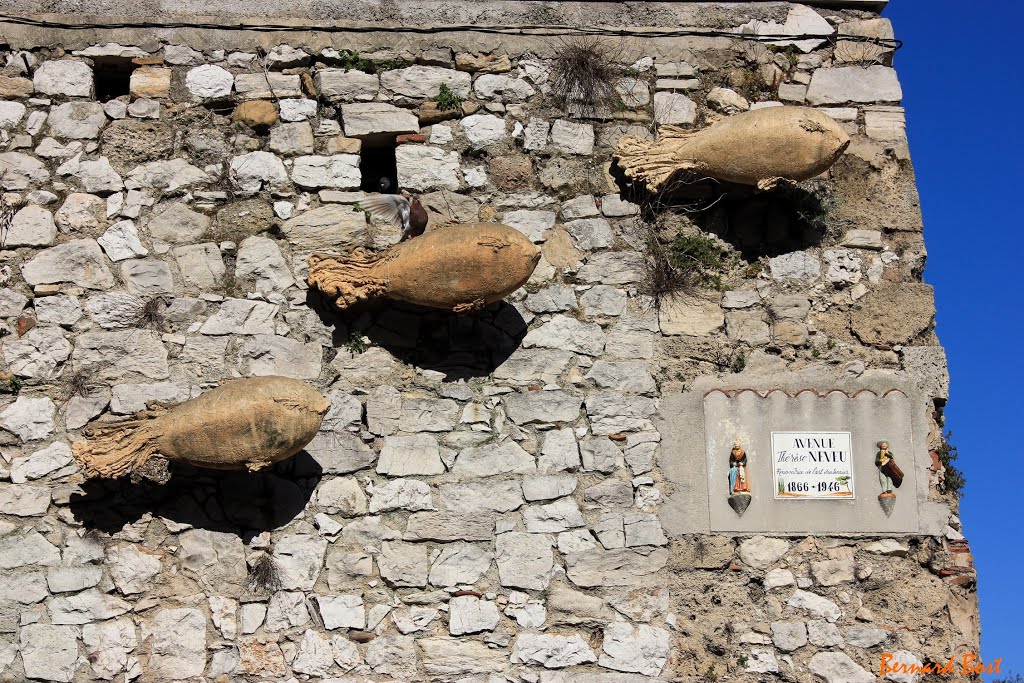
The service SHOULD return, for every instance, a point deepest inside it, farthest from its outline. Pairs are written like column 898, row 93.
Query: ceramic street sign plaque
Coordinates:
column 828, row 439
column 812, row 465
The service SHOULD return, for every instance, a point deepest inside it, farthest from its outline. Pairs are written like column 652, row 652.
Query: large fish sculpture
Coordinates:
column 459, row 268
column 242, row 424
column 765, row 147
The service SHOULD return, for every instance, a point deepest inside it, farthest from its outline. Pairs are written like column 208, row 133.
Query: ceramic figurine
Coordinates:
column 889, row 475
column 739, row 484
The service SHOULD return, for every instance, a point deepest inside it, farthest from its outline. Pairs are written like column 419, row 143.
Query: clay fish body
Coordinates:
column 763, row 147
column 459, row 267
column 243, row 424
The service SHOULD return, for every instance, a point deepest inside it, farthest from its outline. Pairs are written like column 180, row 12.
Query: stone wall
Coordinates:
column 491, row 497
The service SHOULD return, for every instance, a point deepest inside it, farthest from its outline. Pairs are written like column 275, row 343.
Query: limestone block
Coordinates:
column 67, row 77
column 251, row 172
column 727, row 101
column 300, row 558
column 32, row 226
column 54, row 457
column 484, row 461
column 449, row 657
column 410, row 455
column 789, row 636
column 483, row 130
column 542, row 406
column 893, row 313
column 347, row 85
column 618, row 567
column 169, row 176
column 424, row 168
column 325, row 228
column 567, row 334
column 11, row 114
column 571, row 137
column 641, row 649
column 30, row 419
column 209, row 81
column 177, row 640
column 418, row 83
column 762, row 552
column 524, row 560
column 87, row 606
column 799, row 265
column 262, row 86
column 815, row 605
column 489, row 495
column 552, row 299
column 108, row 644
column 838, row 85
column 674, row 109
column 469, row 614
column 97, row 175
column 551, row 651
column 339, row 172
column 403, row 564
column 181, row 55
column 377, row 118
column 401, row 494
column 24, row 501
column 532, row 223
column 341, row 611
column 290, row 139
column 270, row 355
column 121, row 241
column 77, row 120
column 445, row 525
column 928, row 365
column 837, row 667
column 259, row 259
column 49, row 652
column 591, row 233
column 150, row 81
column 132, row 569
column 502, row 88
column 20, row 171
column 147, row 277
column 694, row 315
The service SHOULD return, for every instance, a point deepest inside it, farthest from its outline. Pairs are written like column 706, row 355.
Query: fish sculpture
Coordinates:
column 765, row 147
column 459, row 268
column 242, row 424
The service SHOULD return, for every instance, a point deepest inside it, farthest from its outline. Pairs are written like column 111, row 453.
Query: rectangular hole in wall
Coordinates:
column 113, row 78
column 378, row 168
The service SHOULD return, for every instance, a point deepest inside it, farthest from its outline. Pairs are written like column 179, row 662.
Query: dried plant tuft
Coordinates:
column 264, row 575
column 583, row 76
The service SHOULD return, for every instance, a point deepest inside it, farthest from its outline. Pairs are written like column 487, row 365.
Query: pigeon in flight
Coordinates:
column 404, row 209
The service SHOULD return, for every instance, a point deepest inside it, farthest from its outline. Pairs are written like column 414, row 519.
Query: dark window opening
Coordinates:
column 378, row 168
column 113, row 78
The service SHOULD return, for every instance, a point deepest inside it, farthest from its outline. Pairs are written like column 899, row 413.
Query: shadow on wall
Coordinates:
column 240, row 502
column 770, row 223
column 757, row 223
column 460, row 346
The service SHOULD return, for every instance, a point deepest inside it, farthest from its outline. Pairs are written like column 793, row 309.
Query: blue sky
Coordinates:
column 963, row 78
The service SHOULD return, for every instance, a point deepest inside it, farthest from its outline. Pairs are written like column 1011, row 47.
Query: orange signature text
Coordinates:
column 968, row 664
